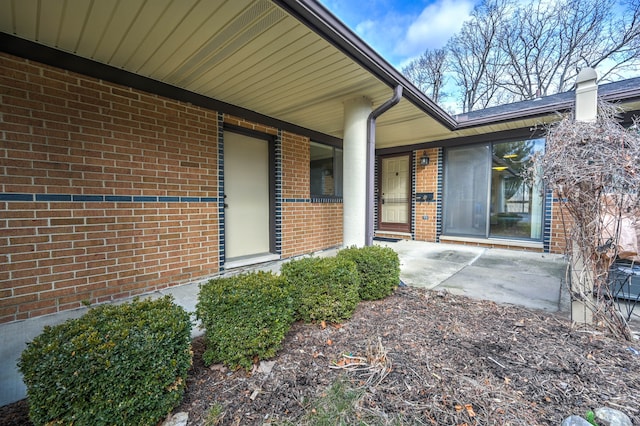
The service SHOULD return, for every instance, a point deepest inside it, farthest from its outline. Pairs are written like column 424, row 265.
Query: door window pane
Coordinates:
column 516, row 206
column 466, row 191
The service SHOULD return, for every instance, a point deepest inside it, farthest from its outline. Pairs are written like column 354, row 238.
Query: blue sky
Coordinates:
column 401, row 30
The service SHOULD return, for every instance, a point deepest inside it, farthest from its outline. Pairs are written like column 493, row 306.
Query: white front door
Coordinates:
column 246, row 188
column 395, row 200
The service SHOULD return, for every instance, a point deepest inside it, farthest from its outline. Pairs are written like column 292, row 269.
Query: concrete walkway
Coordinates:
column 533, row 280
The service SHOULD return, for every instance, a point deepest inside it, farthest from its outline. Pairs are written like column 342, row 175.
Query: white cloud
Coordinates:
column 365, row 27
column 400, row 30
column 383, row 33
column 435, row 25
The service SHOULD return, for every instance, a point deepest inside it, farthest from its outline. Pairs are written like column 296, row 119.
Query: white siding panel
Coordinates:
column 26, row 13
column 49, row 21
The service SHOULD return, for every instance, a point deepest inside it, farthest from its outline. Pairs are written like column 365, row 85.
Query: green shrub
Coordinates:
column 117, row 364
column 324, row 289
column 245, row 316
column 379, row 269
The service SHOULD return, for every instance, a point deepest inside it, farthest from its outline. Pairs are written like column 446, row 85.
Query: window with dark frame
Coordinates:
column 486, row 194
column 325, row 167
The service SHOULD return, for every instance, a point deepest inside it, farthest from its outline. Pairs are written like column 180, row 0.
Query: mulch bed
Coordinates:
column 424, row 357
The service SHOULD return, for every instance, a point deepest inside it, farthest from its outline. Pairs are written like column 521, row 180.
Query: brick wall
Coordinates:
column 560, row 221
column 241, row 122
column 426, row 180
column 106, row 192
column 306, row 226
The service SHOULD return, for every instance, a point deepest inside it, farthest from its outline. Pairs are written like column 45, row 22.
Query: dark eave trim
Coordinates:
column 560, row 107
column 57, row 58
column 316, row 17
column 523, row 114
column 503, row 135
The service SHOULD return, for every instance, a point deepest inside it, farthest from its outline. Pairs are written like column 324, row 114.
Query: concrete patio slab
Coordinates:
column 533, row 280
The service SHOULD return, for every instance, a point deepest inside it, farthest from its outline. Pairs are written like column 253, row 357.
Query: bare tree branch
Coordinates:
column 594, row 169
column 510, row 51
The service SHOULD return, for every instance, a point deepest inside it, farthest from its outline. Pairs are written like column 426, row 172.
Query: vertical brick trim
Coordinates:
column 414, row 188
column 548, row 210
column 278, row 194
column 439, row 193
column 221, row 199
column 376, row 199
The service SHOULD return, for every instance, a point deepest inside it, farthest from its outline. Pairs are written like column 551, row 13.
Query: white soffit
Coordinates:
column 250, row 54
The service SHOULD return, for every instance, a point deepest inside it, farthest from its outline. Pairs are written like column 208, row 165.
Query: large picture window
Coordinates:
column 325, row 170
column 486, row 194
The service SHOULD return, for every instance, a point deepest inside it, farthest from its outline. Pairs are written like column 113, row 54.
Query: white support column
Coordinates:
column 354, row 190
column 586, row 109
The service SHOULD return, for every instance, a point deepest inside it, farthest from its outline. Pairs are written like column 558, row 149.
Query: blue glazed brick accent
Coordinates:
column 118, row 198
column 53, row 197
column 221, row 230
column 439, row 194
column 278, row 190
column 89, row 198
column 297, row 200
column 326, row 200
column 144, row 198
column 375, row 198
column 16, row 197
column 190, row 199
column 169, row 199
column 546, row 235
column 209, row 199
column 414, row 189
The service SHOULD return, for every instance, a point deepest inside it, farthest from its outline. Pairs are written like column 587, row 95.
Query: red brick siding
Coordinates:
column 241, row 122
column 295, row 166
column 64, row 133
column 68, row 134
column 310, row 227
column 559, row 222
column 426, row 180
column 306, row 226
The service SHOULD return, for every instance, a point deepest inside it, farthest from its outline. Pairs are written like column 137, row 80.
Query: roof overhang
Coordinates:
column 289, row 63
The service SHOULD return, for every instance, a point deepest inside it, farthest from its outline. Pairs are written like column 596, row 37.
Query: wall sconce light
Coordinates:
column 424, row 160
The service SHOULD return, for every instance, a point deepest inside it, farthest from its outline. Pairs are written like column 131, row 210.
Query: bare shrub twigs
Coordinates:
column 372, row 368
column 594, row 170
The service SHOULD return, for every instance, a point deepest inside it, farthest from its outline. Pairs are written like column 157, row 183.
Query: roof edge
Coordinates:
column 523, row 114
column 563, row 105
column 319, row 19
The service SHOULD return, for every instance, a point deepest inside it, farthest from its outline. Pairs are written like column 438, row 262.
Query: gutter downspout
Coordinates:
column 371, row 155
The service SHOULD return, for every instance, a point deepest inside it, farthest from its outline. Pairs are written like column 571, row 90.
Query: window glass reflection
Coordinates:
column 516, row 208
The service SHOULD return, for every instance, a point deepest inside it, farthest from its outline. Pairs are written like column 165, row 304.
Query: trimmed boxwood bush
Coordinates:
column 379, row 269
column 324, row 289
column 245, row 317
column 117, row 364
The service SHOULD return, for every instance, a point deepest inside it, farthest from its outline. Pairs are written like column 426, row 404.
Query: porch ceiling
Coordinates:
column 290, row 60
column 251, row 54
